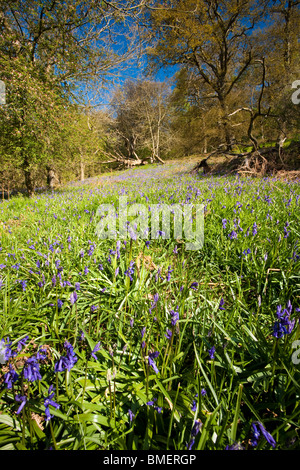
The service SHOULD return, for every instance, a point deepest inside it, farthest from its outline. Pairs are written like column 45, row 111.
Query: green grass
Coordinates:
column 251, row 377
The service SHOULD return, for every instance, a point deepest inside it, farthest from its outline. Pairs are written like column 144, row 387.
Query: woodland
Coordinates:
column 95, row 86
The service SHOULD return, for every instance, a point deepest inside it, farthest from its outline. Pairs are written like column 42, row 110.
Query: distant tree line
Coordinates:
column 236, row 61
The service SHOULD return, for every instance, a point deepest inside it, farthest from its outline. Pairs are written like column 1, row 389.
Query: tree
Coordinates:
column 47, row 49
column 212, row 37
column 141, row 109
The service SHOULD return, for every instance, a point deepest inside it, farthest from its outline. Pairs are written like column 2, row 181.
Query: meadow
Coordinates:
column 139, row 344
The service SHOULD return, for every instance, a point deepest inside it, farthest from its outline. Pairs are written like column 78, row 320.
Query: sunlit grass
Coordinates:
column 204, row 318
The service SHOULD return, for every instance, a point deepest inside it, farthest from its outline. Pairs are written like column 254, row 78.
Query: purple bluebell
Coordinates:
column 211, row 352
column 23, row 400
column 170, row 270
column 73, row 298
column 49, row 402
column 23, row 284
column 168, row 334
column 32, row 370
column 151, row 362
column 195, row 429
column 41, row 354
column 10, row 377
column 194, row 285
column 283, row 325
column 22, row 343
column 96, row 348
column 130, row 271
column 131, row 415
column 174, row 316
column 232, row 235
column 221, row 304
column 194, row 404
column 68, row 361
column 257, row 430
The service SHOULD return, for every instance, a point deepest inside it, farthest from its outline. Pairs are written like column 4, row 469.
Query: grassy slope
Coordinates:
column 250, row 259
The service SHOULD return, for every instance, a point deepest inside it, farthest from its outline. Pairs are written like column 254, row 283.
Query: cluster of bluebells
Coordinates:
column 283, row 325
column 257, row 430
column 152, row 403
column 130, row 271
column 31, row 369
column 68, row 361
column 195, row 429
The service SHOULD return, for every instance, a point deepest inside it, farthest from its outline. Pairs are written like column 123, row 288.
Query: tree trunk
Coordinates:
column 225, row 122
column 82, row 168
column 52, row 179
column 29, row 182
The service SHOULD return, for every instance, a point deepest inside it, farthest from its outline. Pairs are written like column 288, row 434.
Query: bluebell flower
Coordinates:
column 22, row 343
column 151, row 402
column 174, row 316
column 41, row 354
column 59, row 304
column 168, row 334
column 130, row 271
column 284, row 325
column 32, row 370
column 151, row 362
column 68, row 361
column 221, row 304
column 195, row 429
column 23, row 400
column 257, row 432
column 73, row 297
column 96, row 348
column 232, row 235
column 131, row 415
column 255, row 435
column 10, row 377
column 211, row 352
column 49, row 402
column 194, row 404
column 169, row 273
column 153, row 304
column 23, row 284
